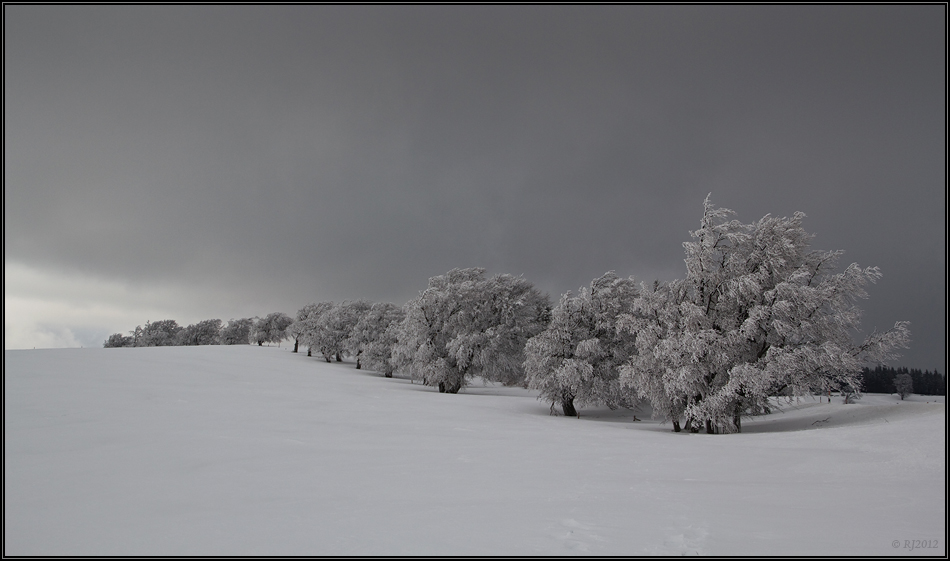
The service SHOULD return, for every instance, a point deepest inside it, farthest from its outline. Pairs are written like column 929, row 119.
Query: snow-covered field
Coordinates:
column 258, row 451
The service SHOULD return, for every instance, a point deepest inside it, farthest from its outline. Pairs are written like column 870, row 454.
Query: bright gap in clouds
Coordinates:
column 46, row 309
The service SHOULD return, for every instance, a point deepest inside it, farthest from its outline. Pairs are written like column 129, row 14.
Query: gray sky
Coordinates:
column 195, row 162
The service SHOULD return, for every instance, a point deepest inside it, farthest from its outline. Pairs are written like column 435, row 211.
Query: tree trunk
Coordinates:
column 567, row 405
column 357, row 362
column 260, row 343
column 339, row 358
column 450, row 387
column 709, row 427
column 296, row 343
column 388, row 374
column 676, row 426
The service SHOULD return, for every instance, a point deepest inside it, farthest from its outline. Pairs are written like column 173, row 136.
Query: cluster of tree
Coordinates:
column 272, row 328
column 882, row 379
column 464, row 325
column 167, row 332
column 353, row 328
column 360, row 329
column 757, row 315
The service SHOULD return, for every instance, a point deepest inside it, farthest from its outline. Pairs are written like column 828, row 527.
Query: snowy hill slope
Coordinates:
column 258, row 451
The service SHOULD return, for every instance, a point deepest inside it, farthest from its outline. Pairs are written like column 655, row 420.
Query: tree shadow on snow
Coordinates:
column 831, row 415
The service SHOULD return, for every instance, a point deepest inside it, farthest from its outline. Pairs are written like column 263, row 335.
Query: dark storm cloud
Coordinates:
column 303, row 153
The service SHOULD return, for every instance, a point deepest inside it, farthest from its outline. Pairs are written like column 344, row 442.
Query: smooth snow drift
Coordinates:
column 258, row 451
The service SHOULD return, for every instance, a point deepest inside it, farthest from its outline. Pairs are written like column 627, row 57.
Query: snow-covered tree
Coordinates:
column 204, row 332
column 236, row 332
column 372, row 338
column 344, row 321
column 466, row 325
column 758, row 313
column 333, row 327
column 299, row 328
column 649, row 372
column 272, row 328
column 378, row 355
column 576, row 359
column 156, row 334
column 307, row 329
column 118, row 340
column 904, row 385
column 256, row 336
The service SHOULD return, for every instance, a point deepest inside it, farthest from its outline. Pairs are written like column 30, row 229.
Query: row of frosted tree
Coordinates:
column 167, row 332
column 758, row 314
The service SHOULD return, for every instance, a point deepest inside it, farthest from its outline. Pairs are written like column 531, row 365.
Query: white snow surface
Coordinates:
column 250, row 450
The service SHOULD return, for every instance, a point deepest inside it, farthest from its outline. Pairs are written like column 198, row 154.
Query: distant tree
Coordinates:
column 272, row 328
column 255, row 336
column 156, row 334
column 298, row 329
column 374, row 335
column 236, row 332
column 904, row 385
column 321, row 337
column 278, row 322
column 465, row 325
column 877, row 380
column 118, row 340
column 185, row 336
column 207, row 332
column 931, row 383
column 307, row 328
column 577, row 358
column 334, row 326
column 345, row 320
column 880, row 379
column 758, row 314
column 202, row 333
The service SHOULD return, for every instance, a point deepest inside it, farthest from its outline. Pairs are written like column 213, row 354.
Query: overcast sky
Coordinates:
column 196, row 162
